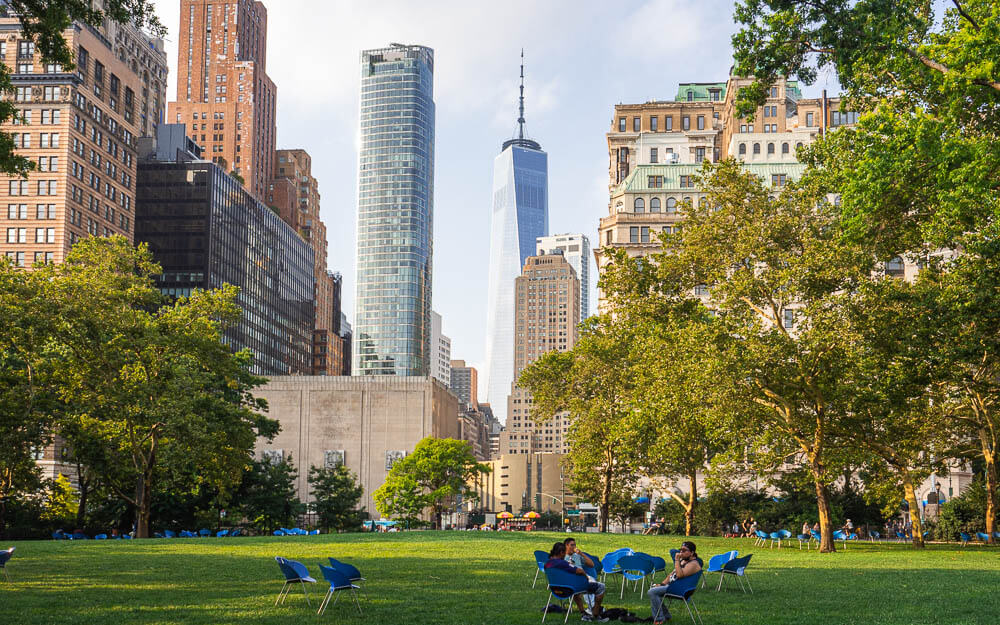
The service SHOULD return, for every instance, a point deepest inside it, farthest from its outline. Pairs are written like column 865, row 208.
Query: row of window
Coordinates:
column 654, row 123
column 22, row 187
column 48, row 117
column 20, row 235
column 785, row 149
column 46, row 140
column 20, row 211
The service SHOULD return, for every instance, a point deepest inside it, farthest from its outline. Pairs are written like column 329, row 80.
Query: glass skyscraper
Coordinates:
column 392, row 324
column 520, row 216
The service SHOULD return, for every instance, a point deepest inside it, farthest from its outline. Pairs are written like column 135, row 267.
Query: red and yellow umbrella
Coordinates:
column 505, row 515
column 531, row 515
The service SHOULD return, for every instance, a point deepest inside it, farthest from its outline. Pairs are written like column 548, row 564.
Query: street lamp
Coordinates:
column 562, row 514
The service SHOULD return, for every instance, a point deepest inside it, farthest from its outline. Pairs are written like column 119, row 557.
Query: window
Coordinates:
column 810, row 119
column 25, row 49
column 17, row 258
column 798, row 146
column 686, row 122
column 699, row 155
column 784, row 148
column 770, row 148
column 690, row 95
column 670, row 122
column 633, row 234
column 839, row 119
column 654, row 205
column 671, row 205
column 653, row 154
column 774, row 92
column 743, row 149
column 655, row 182
column 22, row 94
column 17, row 211
column 894, row 267
column 636, row 124
column 743, row 127
column 17, row 235
column 756, row 148
column 644, row 234
column 778, row 180
column 639, row 206
column 714, row 94
column 607, row 238
column 701, row 122
column 654, row 123
column 43, row 257
column 18, row 187
column 687, row 182
column 788, row 318
column 621, row 124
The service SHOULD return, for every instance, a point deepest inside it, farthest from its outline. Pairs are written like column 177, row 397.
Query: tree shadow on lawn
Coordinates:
column 469, row 581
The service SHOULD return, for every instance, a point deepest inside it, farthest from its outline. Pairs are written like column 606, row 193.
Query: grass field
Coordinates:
column 458, row 577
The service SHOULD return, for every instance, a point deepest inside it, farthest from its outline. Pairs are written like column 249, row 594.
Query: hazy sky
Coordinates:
column 580, row 59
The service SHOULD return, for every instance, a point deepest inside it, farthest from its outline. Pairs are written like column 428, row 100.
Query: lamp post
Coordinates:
column 562, row 514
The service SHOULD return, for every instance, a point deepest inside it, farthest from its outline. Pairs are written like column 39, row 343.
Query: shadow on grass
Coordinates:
column 476, row 578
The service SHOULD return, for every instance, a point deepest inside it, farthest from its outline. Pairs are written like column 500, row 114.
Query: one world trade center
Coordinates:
column 520, row 215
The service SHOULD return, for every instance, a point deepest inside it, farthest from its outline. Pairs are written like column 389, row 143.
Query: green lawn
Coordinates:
column 458, row 577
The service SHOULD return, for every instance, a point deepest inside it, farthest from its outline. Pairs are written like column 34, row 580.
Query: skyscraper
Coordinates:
column 520, row 216
column 224, row 95
column 392, row 324
column 576, row 249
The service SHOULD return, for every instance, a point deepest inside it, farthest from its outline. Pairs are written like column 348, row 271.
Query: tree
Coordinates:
column 45, row 23
column 438, row 470
column 921, row 170
column 336, row 494
column 151, row 384
column 593, row 384
column 776, row 273
column 27, row 398
column 267, row 495
column 61, row 502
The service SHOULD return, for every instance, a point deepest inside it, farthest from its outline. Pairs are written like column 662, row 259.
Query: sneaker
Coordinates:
column 586, row 617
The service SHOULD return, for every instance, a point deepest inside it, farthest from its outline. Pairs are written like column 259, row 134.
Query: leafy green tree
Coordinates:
column 61, row 502
column 267, row 496
column 27, row 396
column 594, row 385
column 438, row 471
column 336, row 494
column 151, row 384
column 920, row 171
column 777, row 274
column 46, row 23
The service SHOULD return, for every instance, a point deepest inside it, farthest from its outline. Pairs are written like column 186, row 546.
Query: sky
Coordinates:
column 581, row 58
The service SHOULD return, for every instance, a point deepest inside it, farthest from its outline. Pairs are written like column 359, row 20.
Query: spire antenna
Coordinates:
column 520, row 119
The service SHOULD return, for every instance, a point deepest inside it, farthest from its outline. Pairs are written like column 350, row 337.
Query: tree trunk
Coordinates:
column 143, row 496
column 605, row 500
column 81, row 510
column 823, row 505
column 917, row 529
column 692, row 500
column 989, row 455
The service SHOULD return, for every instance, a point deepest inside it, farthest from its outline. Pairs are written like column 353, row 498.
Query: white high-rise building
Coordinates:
column 576, row 249
column 440, row 351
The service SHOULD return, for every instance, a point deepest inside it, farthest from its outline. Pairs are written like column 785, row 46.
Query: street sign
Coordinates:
column 572, row 513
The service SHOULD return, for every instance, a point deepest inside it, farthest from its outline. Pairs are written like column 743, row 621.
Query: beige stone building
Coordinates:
column 364, row 422
column 519, row 481
column 547, row 309
column 81, row 128
column 656, row 149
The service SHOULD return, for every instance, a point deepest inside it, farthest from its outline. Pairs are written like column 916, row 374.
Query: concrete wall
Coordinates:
column 364, row 417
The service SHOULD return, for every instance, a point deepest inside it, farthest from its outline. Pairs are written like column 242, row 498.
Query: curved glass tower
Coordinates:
column 392, row 325
column 520, row 215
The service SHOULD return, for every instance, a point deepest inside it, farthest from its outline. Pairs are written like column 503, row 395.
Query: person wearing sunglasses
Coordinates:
column 685, row 564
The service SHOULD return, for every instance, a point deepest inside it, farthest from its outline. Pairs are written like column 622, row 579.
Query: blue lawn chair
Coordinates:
column 609, row 563
column 314, row 533
column 295, row 573
column 235, row 532
column 101, row 537
column 874, row 536
column 351, row 572
column 204, row 533
column 762, row 537
column 804, row 538
column 634, row 568
column 541, row 557
column 279, row 532
column 563, row 586
column 996, row 535
column 5, row 557
column 715, row 564
column 840, row 535
column 659, row 564
column 222, row 533
column 983, row 536
column 681, row 590
column 965, row 538
column 338, row 581
column 126, row 536
column 170, row 533
column 187, row 534
column 738, row 568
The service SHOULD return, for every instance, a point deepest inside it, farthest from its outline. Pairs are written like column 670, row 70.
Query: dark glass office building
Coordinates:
column 206, row 230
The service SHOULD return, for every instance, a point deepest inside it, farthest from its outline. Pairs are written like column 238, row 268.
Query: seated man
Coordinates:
column 557, row 560
column 685, row 564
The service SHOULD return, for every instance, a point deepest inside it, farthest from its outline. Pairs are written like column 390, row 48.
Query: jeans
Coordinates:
column 656, row 605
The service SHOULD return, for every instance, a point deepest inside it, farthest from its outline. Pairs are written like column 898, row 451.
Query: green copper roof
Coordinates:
column 638, row 179
column 699, row 91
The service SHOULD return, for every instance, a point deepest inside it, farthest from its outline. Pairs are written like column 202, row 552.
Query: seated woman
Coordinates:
column 685, row 565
